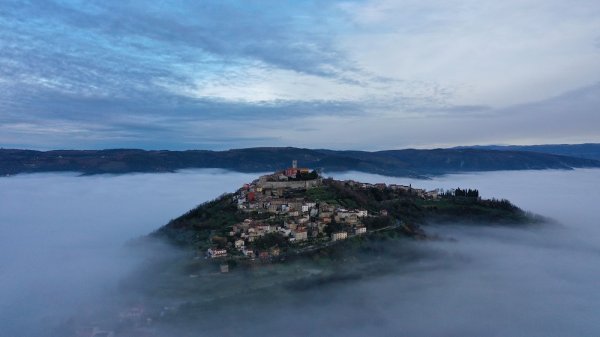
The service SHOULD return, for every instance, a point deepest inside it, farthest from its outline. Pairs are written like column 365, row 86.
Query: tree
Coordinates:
column 270, row 240
column 333, row 227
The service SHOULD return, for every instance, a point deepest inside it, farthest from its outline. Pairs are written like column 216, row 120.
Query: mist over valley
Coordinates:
column 63, row 242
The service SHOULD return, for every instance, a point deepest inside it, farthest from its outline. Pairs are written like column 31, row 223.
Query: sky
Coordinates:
column 369, row 75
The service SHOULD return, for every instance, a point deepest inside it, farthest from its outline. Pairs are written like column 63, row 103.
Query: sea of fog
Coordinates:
column 62, row 238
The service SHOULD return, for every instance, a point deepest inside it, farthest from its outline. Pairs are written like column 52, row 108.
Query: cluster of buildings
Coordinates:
column 292, row 215
column 278, row 203
column 421, row 193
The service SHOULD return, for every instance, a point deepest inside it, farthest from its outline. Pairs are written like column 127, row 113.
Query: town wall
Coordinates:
column 305, row 184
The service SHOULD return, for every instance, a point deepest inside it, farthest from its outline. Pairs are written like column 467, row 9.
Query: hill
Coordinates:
column 295, row 214
column 587, row 151
column 407, row 162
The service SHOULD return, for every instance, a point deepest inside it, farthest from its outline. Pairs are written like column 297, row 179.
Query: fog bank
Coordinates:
column 62, row 236
column 61, row 239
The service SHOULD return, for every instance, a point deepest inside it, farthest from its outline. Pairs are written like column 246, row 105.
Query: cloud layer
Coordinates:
column 224, row 74
column 61, row 240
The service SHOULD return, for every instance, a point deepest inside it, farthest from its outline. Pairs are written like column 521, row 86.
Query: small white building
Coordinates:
column 216, row 252
column 339, row 236
column 239, row 243
column 360, row 230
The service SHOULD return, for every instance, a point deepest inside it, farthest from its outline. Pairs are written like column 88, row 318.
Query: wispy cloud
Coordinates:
column 135, row 71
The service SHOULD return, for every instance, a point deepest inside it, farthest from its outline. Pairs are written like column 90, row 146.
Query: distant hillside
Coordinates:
column 588, row 151
column 394, row 162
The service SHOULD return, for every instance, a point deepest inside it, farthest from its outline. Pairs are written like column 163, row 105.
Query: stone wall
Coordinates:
column 306, row 184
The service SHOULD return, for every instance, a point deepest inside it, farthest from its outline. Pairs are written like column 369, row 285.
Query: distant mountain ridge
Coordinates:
column 588, row 150
column 408, row 162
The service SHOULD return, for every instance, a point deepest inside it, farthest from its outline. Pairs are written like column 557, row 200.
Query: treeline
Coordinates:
column 458, row 192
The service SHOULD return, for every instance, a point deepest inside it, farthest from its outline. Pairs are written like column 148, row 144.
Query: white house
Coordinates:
column 362, row 213
column 360, row 230
column 216, row 252
column 339, row 236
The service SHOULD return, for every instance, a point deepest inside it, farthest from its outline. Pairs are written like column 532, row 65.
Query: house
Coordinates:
column 362, row 213
column 216, row 252
column 339, row 236
column 433, row 194
column 358, row 230
column 300, row 235
column 239, row 243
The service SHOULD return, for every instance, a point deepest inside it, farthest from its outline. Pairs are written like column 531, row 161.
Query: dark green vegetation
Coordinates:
column 394, row 162
column 197, row 225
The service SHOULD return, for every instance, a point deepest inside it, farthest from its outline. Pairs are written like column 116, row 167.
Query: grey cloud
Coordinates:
column 271, row 33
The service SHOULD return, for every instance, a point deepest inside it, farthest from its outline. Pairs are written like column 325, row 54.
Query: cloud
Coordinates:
column 62, row 236
column 135, row 72
column 100, row 43
column 496, row 54
column 67, row 253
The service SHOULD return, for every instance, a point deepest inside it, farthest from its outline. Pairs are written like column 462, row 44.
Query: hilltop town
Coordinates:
column 295, row 211
column 285, row 210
